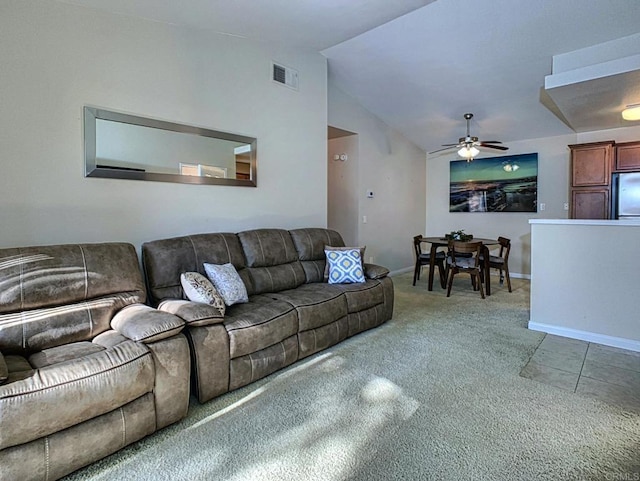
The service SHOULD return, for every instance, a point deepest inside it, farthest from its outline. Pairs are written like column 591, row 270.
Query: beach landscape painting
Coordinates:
column 494, row 184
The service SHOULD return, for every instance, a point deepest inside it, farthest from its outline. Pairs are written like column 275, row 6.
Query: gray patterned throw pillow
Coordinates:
column 198, row 288
column 227, row 281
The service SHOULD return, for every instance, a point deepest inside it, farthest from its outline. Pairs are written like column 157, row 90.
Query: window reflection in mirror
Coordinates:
column 125, row 146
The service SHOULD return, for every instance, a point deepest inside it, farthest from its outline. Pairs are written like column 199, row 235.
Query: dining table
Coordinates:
column 437, row 242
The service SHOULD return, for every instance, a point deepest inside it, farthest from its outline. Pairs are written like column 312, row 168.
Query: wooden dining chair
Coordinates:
column 501, row 261
column 458, row 261
column 424, row 258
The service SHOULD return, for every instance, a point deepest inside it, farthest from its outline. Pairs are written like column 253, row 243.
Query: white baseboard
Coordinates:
column 401, row 271
column 622, row 343
column 515, row 275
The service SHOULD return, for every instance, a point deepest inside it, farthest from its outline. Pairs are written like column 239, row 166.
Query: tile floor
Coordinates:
column 606, row 373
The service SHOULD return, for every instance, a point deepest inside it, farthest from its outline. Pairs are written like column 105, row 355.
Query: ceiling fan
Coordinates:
column 468, row 145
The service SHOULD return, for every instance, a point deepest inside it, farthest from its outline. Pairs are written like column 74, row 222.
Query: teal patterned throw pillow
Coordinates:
column 345, row 266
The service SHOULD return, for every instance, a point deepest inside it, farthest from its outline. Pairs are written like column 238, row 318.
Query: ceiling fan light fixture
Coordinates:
column 467, row 144
column 632, row 112
column 468, row 152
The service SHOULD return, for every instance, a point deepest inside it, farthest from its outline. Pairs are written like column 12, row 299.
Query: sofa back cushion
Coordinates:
column 164, row 260
column 309, row 244
column 53, row 295
column 272, row 260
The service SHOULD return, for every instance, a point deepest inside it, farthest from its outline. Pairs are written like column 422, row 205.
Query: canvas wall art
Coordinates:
column 494, row 184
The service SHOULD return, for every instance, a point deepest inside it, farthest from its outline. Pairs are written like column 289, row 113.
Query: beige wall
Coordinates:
column 394, row 169
column 56, row 57
column 553, row 191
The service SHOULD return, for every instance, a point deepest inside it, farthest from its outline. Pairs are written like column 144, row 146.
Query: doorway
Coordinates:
column 343, row 184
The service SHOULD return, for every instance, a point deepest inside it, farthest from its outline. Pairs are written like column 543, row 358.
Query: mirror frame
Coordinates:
column 92, row 169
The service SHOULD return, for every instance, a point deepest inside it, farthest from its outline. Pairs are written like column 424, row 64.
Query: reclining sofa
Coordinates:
column 292, row 311
column 85, row 367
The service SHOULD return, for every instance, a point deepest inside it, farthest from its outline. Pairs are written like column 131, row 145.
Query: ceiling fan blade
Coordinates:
column 497, row 147
column 450, row 145
column 490, row 142
column 443, row 149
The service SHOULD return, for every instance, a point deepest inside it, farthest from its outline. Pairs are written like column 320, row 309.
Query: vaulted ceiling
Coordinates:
column 420, row 65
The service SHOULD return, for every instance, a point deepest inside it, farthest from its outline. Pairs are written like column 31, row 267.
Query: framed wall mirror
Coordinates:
column 123, row 146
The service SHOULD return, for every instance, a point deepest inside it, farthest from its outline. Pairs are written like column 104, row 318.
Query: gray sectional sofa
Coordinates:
column 292, row 311
column 85, row 367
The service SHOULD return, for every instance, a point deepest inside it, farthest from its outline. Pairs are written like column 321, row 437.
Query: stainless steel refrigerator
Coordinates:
column 627, row 195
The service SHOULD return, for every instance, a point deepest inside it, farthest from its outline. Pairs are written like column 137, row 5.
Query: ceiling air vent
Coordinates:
column 284, row 75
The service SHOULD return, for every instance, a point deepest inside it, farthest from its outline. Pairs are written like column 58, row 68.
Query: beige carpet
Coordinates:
column 434, row 394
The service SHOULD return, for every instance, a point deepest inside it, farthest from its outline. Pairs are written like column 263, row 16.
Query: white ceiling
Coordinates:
column 419, row 65
column 308, row 24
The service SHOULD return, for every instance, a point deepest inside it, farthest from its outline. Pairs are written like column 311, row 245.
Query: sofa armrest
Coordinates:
column 144, row 324
column 171, row 388
column 373, row 271
column 4, row 371
column 193, row 313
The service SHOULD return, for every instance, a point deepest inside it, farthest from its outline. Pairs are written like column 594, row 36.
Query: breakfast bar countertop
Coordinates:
column 616, row 222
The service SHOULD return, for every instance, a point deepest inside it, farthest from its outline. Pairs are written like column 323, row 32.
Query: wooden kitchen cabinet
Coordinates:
column 591, row 166
column 592, row 203
column 628, row 157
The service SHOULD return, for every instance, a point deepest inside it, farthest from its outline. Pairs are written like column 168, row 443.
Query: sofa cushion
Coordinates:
column 164, row 260
column 276, row 278
column 53, row 295
column 18, row 367
column 40, row 329
column 62, row 395
column 4, row 371
column 309, row 244
column 345, row 265
column 227, row 282
column 109, row 339
column 373, row 271
column 267, row 247
column 198, row 288
column 59, row 354
column 317, row 304
column 46, row 276
column 362, row 296
column 260, row 323
column 192, row 313
column 272, row 260
column 142, row 323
